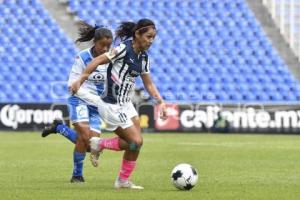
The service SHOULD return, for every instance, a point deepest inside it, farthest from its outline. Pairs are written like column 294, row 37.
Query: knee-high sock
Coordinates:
column 66, row 131
column 110, row 143
column 78, row 159
column 127, row 168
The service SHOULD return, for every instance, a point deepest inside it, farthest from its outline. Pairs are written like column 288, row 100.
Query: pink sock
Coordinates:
column 126, row 169
column 110, row 143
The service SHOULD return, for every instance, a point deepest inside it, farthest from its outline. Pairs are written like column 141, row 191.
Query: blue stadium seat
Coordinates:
column 39, row 43
column 212, row 51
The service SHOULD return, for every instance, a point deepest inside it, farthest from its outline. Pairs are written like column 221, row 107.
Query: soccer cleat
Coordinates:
column 95, row 151
column 52, row 128
column 119, row 184
column 77, row 179
column 94, row 158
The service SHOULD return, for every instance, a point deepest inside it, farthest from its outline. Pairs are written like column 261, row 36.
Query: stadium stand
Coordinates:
column 36, row 55
column 205, row 51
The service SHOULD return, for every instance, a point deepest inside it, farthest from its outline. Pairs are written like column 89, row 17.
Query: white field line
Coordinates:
column 267, row 145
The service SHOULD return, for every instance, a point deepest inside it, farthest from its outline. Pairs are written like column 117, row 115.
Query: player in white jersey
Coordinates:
column 84, row 117
column 126, row 62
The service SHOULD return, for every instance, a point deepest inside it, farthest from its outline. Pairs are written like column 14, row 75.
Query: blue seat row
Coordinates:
column 36, row 55
column 204, row 43
column 205, row 51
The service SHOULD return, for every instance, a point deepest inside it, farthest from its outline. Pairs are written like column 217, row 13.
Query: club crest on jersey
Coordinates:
column 98, row 77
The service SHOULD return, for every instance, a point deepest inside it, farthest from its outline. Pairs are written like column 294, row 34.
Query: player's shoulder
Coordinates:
column 117, row 51
column 85, row 55
column 144, row 55
column 121, row 47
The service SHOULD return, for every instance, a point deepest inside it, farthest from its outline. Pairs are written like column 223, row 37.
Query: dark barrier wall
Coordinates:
column 30, row 116
column 181, row 117
column 236, row 118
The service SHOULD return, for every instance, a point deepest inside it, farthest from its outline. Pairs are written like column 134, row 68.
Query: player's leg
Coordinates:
column 116, row 143
column 129, row 140
column 95, row 131
column 79, row 152
column 58, row 127
column 133, row 137
column 122, row 120
column 79, row 115
column 81, row 147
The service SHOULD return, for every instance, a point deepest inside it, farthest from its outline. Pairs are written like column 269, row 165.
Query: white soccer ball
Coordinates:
column 184, row 176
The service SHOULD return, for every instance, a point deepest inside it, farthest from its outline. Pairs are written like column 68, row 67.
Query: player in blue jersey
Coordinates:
column 85, row 118
column 126, row 62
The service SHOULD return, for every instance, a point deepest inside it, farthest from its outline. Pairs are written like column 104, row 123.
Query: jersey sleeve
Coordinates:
column 78, row 65
column 76, row 70
column 146, row 66
column 116, row 53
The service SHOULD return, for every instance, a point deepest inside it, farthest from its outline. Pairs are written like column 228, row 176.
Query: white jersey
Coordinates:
column 96, row 80
column 124, row 67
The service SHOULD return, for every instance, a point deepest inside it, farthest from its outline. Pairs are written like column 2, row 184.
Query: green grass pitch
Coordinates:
column 229, row 166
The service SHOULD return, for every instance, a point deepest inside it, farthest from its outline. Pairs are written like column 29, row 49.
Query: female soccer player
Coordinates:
column 126, row 62
column 84, row 117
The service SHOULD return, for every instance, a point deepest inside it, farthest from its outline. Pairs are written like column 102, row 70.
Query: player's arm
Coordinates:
column 152, row 90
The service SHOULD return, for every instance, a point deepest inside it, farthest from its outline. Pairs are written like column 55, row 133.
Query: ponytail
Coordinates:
column 88, row 32
column 125, row 30
column 128, row 29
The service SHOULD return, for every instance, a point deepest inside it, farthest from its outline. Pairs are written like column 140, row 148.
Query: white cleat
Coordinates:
column 95, row 150
column 127, row 185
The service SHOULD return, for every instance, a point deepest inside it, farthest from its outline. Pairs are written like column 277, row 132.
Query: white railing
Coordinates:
column 286, row 14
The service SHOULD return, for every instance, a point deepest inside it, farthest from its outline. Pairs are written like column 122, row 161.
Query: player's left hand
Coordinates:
column 74, row 87
column 163, row 110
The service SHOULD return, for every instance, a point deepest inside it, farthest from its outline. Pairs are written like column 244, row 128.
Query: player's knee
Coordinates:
column 80, row 144
column 136, row 144
column 83, row 141
column 140, row 142
column 85, row 138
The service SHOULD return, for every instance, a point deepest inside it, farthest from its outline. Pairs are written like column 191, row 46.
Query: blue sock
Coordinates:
column 69, row 133
column 78, row 159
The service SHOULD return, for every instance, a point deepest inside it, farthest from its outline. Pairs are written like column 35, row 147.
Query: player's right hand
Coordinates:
column 163, row 111
column 74, row 87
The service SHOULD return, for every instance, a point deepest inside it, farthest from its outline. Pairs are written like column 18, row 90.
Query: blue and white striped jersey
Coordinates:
column 96, row 80
column 124, row 67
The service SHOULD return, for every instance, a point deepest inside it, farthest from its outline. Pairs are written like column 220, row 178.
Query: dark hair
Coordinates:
column 128, row 29
column 88, row 32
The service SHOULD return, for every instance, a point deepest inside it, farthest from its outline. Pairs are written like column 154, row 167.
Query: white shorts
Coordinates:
column 114, row 115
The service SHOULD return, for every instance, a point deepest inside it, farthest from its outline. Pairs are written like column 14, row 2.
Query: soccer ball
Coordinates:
column 184, row 176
